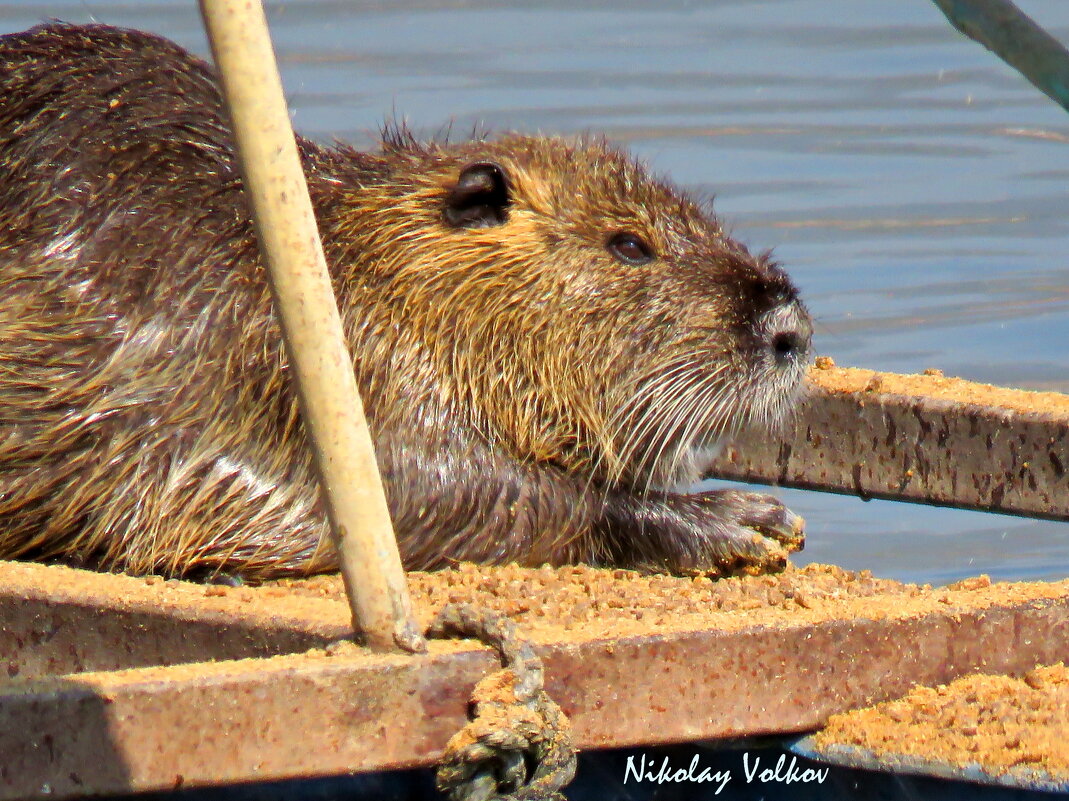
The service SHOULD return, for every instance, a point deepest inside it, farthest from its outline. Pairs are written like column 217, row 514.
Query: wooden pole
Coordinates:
column 311, row 326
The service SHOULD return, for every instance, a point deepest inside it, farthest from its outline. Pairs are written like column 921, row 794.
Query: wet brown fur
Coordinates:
column 517, row 377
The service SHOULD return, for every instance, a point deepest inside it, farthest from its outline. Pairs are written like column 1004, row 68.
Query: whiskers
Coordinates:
column 661, row 430
column 659, row 436
column 776, row 395
column 654, row 432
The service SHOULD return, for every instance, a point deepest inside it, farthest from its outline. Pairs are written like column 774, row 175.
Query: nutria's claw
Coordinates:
column 767, row 515
column 738, row 532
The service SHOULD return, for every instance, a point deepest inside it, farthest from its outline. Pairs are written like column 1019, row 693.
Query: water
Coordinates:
column 913, row 185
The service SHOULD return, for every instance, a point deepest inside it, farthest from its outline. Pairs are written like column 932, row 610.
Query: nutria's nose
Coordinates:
column 790, row 333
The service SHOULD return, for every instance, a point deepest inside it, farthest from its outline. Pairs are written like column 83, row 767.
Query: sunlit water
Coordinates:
column 914, row 186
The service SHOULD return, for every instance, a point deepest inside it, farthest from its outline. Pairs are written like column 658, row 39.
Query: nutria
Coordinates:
column 549, row 342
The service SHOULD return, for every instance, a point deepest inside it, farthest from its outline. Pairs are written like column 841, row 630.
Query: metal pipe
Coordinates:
column 311, row 326
column 1014, row 37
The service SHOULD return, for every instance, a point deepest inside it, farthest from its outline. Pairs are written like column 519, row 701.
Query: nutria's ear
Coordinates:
column 480, row 197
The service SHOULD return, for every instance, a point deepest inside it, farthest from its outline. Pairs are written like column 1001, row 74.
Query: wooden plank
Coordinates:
column 783, row 667
column 921, row 438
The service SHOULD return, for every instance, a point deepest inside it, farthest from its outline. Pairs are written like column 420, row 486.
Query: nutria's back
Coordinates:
column 546, row 338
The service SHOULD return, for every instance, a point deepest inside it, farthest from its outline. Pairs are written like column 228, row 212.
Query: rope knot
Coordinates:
column 517, row 744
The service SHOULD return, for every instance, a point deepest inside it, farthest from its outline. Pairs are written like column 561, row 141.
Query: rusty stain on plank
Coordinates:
column 921, row 438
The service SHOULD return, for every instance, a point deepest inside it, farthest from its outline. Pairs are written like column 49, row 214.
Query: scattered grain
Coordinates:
column 999, row 722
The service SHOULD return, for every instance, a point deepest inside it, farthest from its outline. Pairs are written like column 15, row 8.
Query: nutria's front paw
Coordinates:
column 737, row 532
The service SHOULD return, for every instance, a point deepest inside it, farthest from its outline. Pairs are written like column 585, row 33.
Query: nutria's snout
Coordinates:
column 788, row 331
column 782, row 326
column 782, row 338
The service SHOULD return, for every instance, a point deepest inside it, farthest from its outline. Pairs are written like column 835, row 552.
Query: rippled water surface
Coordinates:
column 914, row 186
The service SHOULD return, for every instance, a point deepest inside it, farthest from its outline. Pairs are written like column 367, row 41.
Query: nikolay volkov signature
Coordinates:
column 641, row 769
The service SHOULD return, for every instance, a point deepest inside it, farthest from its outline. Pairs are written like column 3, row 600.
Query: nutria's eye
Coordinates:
column 630, row 249
column 480, row 198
